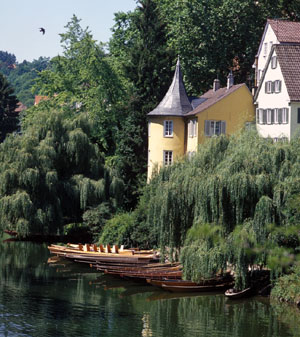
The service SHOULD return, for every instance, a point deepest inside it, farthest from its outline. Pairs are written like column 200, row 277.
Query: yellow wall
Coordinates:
column 236, row 109
column 157, row 143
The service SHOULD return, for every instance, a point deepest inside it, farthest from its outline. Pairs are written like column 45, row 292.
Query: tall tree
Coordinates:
column 52, row 173
column 8, row 103
column 141, row 40
column 83, row 79
column 214, row 36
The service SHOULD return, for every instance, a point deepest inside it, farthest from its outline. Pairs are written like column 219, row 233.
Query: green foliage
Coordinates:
column 139, row 48
column 52, row 174
column 8, row 103
column 242, row 187
column 117, row 230
column 214, row 36
column 7, row 62
column 287, row 287
column 83, row 80
column 23, row 76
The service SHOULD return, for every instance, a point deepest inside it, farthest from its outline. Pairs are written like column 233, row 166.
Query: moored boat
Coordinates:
column 197, row 288
column 234, row 294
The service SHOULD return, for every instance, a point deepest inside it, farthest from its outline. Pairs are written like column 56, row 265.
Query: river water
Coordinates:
column 69, row 299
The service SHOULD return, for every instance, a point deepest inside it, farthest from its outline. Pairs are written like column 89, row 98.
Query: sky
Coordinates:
column 20, row 21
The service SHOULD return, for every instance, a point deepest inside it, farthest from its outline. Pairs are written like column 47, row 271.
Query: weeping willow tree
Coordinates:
column 239, row 186
column 52, row 174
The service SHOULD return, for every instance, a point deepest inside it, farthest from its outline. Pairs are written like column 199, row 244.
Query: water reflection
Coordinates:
column 64, row 299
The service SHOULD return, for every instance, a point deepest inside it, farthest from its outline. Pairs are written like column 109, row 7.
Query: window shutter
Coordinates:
column 272, row 87
column 260, row 118
column 279, row 116
column 298, row 119
column 257, row 116
column 272, row 116
column 266, row 87
column 264, row 121
column 279, row 86
column 286, row 115
column 223, row 127
column 207, row 128
column 189, row 128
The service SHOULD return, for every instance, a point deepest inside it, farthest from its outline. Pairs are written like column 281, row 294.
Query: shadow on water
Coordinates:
column 68, row 299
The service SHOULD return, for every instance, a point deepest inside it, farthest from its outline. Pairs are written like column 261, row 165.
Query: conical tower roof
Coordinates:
column 175, row 102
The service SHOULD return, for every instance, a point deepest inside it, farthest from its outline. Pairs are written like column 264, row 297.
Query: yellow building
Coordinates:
column 178, row 124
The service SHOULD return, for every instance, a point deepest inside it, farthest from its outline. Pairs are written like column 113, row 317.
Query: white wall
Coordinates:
column 268, row 37
column 272, row 101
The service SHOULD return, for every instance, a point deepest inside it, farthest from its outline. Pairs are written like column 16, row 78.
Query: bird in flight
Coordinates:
column 42, row 30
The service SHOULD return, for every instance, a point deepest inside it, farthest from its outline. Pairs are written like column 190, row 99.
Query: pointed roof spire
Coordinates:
column 175, row 102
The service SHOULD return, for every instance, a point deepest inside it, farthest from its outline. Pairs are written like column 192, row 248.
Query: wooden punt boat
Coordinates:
column 123, row 267
column 191, row 288
column 159, row 283
column 94, row 257
column 233, row 294
column 227, row 278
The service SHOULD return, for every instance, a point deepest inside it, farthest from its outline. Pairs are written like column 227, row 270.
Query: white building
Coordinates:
column 277, row 98
column 275, row 32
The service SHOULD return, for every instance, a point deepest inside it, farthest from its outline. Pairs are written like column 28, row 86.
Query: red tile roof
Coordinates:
column 38, row 99
column 289, row 60
column 286, row 31
column 211, row 97
column 20, row 107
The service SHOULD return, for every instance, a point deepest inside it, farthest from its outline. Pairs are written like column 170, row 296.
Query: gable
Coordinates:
column 271, row 75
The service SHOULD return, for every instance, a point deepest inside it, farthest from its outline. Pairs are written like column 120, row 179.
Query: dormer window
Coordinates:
column 274, row 62
column 168, row 128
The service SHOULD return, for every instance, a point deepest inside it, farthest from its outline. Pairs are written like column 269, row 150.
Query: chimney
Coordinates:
column 229, row 80
column 216, row 85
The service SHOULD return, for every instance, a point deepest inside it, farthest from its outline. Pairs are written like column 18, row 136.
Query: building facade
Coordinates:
column 179, row 124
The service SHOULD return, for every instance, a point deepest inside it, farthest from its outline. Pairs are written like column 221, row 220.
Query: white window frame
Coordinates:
column 265, row 49
column 168, row 128
column 214, row 128
column 167, row 157
column 285, row 117
column 269, row 87
column 276, row 116
column 277, row 86
column 149, row 129
column 274, row 62
column 260, row 116
column 269, row 116
column 192, row 128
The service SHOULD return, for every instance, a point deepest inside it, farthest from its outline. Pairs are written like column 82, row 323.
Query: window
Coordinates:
column 214, row 128
column 259, row 75
column 168, row 158
column 192, row 128
column 268, row 87
column 276, row 116
column 274, row 62
column 269, row 116
column 298, row 117
column 277, row 86
column 149, row 129
column 168, row 128
column 259, row 116
column 285, row 115
column 265, row 48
